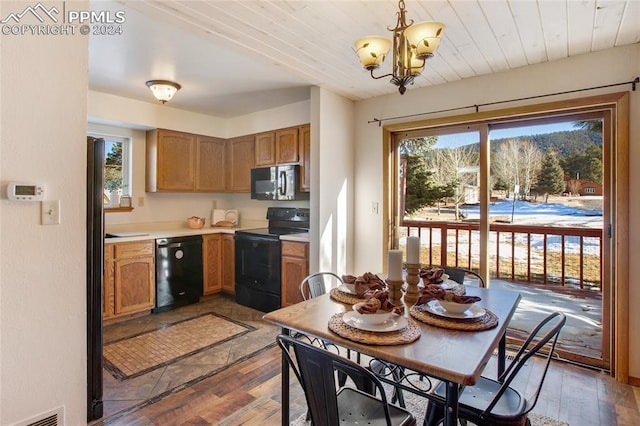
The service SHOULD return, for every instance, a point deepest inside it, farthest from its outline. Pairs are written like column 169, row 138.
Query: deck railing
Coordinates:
column 565, row 256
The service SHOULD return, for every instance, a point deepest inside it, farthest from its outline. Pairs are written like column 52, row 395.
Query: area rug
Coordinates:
column 145, row 352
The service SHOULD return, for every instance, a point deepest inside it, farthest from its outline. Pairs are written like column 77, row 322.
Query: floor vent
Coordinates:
column 54, row 417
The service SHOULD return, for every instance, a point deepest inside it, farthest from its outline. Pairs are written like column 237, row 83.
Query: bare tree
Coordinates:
column 531, row 158
column 517, row 163
column 504, row 164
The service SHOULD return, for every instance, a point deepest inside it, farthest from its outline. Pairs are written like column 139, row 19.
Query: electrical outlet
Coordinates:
column 50, row 212
column 374, row 207
column 140, row 201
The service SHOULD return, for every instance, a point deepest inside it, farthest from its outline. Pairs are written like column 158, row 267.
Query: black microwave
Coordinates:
column 280, row 183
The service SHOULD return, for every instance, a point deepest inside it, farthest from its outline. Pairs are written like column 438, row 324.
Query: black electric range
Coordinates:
column 258, row 259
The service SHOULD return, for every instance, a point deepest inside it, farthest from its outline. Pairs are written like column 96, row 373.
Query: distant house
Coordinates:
column 582, row 187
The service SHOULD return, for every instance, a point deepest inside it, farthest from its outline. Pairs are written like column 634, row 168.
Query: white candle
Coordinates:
column 413, row 250
column 394, row 268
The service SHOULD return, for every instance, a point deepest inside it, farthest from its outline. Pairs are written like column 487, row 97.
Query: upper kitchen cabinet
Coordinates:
column 240, row 158
column 277, row 147
column 170, row 161
column 305, row 158
column 210, row 164
column 265, row 145
column 287, row 150
column 184, row 162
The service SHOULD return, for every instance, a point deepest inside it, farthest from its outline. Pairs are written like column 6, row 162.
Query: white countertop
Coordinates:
column 152, row 231
column 303, row 237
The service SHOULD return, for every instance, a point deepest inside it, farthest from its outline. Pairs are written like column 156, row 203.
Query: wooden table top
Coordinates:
column 457, row 356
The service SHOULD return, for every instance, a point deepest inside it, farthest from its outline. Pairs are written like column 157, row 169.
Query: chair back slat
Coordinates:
column 315, row 284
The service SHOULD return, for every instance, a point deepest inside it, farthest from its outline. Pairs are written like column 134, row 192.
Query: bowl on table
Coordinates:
column 453, row 307
column 380, row 317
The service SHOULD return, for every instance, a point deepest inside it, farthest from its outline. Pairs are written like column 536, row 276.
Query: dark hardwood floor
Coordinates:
column 249, row 394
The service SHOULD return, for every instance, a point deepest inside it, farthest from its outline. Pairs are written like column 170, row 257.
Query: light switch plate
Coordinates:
column 51, row 212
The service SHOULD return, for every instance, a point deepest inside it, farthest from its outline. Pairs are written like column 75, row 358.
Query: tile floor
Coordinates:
column 125, row 395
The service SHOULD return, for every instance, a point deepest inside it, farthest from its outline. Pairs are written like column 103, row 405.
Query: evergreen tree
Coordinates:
column 421, row 190
column 551, row 178
column 113, row 167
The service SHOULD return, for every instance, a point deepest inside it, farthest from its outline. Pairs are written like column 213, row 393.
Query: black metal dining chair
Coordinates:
column 465, row 276
column 316, row 284
column 496, row 402
column 316, row 368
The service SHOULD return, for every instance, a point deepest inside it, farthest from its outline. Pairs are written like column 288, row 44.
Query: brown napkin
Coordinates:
column 430, row 292
column 431, row 275
column 377, row 300
column 367, row 281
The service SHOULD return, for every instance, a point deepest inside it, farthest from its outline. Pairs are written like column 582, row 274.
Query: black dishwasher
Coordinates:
column 178, row 272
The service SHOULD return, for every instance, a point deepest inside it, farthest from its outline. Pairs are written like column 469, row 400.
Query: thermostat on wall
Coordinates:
column 25, row 191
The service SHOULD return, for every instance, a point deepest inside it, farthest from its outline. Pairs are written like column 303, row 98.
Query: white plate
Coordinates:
column 394, row 324
column 434, row 307
column 231, row 216
column 343, row 288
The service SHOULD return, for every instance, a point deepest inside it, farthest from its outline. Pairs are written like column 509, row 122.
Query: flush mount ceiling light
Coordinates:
column 412, row 45
column 163, row 90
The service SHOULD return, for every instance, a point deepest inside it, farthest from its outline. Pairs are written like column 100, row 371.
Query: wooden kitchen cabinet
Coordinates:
column 265, row 146
column 129, row 279
column 305, row 158
column 210, row 164
column 184, row 162
column 219, row 263
column 108, row 298
column 240, row 161
column 287, row 149
column 212, row 263
column 228, row 264
column 295, row 267
column 170, row 161
column 277, row 147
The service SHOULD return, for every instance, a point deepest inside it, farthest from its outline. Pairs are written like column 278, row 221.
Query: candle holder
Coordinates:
column 412, row 291
column 395, row 291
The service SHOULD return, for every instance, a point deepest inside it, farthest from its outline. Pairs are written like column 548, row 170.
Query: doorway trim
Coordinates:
column 616, row 264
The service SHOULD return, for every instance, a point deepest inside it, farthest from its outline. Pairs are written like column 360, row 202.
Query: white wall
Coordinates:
column 332, row 185
column 596, row 69
column 42, row 276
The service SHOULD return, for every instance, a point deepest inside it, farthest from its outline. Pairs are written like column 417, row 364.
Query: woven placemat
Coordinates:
column 407, row 335
column 485, row 322
column 343, row 297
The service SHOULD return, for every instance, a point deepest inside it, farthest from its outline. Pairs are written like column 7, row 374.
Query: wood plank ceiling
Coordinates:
column 311, row 42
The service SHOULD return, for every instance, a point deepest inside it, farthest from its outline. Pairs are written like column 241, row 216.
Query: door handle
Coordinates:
column 283, row 183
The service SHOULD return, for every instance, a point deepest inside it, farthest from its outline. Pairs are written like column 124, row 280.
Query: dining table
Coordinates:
column 455, row 352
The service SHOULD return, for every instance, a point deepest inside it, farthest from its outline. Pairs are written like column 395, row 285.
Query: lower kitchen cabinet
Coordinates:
column 212, row 263
column 295, row 267
column 228, row 264
column 219, row 263
column 129, row 278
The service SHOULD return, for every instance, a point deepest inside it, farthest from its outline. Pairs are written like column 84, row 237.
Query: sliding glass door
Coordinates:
column 524, row 202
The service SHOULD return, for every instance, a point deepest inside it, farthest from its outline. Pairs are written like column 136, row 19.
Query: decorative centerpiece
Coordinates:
column 394, row 275
column 413, row 266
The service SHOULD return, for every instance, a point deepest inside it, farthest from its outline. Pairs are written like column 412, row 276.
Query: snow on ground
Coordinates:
column 528, row 213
